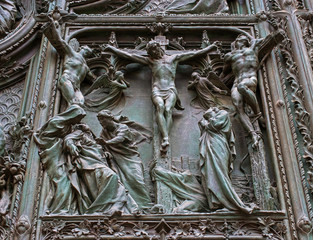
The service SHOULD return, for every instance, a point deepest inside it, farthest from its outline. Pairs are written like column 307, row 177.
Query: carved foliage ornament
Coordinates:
column 114, row 153
column 301, row 114
column 134, row 229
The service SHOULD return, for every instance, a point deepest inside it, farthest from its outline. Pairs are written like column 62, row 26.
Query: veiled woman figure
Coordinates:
column 120, row 138
column 217, row 148
column 103, row 193
column 80, row 179
column 62, row 196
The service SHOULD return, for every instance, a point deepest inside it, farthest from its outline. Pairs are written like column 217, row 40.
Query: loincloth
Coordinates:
column 247, row 80
column 166, row 93
column 73, row 79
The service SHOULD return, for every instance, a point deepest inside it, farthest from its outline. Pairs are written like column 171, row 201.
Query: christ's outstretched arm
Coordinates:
column 188, row 55
column 123, row 54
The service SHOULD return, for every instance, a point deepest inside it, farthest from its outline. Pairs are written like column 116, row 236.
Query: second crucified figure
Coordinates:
column 243, row 61
column 164, row 92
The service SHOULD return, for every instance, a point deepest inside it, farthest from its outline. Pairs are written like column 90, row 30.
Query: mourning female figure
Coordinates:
column 120, row 138
column 103, row 191
column 216, row 154
column 80, row 180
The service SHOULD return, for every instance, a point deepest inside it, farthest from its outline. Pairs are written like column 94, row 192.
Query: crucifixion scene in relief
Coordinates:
column 171, row 130
column 156, row 119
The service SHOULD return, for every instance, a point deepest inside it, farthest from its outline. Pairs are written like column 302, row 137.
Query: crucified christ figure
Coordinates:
column 164, row 92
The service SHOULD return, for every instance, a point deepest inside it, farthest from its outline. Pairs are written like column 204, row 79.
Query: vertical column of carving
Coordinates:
column 298, row 121
column 293, row 130
column 54, row 90
column 39, row 76
column 307, row 32
column 35, row 217
column 12, row 162
column 298, row 73
column 301, row 114
column 282, row 177
column 32, row 113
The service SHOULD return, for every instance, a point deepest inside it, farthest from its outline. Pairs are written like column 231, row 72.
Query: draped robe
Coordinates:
column 83, row 184
column 216, row 154
column 127, row 160
column 198, row 6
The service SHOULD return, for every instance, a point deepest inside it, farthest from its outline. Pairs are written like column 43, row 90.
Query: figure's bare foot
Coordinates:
column 114, row 213
column 222, row 210
column 165, row 143
column 157, row 209
column 137, row 212
column 255, row 140
column 164, row 146
column 252, row 207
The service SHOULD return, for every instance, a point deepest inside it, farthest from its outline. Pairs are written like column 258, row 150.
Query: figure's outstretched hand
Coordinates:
column 47, row 25
column 101, row 141
column 51, row 22
column 108, row 155
column 73, row 150
column 106, row 47
column 218, row 44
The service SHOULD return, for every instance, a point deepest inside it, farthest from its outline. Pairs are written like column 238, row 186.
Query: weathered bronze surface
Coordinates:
column 156, row 119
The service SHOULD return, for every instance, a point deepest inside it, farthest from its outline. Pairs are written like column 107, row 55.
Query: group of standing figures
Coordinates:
column 90, row 174
column 105, row 175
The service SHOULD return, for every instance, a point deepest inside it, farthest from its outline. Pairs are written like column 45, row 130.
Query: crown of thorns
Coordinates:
column 153, row 44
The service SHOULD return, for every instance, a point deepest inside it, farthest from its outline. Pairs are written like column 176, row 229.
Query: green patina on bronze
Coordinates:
column 156, row 119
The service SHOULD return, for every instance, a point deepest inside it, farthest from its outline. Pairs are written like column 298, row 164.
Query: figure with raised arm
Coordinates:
column 75, row 68
column 243, row 61
column 81, row 180
column 164, row 92
column 120, row 138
